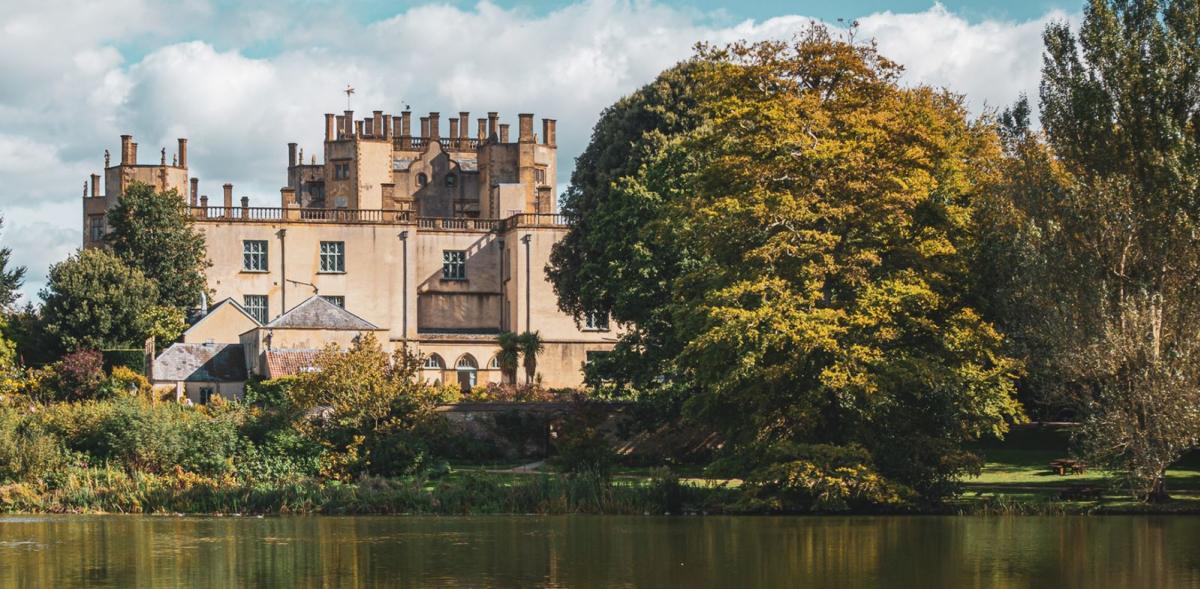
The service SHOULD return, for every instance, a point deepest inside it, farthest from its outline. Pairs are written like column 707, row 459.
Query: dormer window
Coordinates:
column 422, row 179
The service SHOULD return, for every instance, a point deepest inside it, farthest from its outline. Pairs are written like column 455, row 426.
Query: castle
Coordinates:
column 435, row 241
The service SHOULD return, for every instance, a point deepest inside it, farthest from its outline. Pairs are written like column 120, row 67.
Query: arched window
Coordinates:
column 494, row 363
column 451, row 180
column 466, row 367
column 422, row 179
column 434, row 361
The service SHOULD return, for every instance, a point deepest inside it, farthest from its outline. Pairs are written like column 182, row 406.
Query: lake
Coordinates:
column 599, row 551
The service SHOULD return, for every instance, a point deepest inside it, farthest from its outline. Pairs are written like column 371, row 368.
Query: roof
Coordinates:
column 288, row 361
column 212, row 311
column 201, row 362
column 318, row 313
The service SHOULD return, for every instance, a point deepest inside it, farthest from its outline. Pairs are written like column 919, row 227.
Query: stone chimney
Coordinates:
column 228, row 196
column 435, row 131
column 453, row 131
column 424, row 127
column 330, row 129
column 464, row 121
column 503, row 133
column 195, row 191
column 387, row 126
column 482, row 130
column 548, row 132
column 95, row 185
column 493, row 120
column 341, row 126
column 183, row 153
column 287, row 197
column 377, row 124
column 405, row 125
column 525, row 131
column 291, row 155
column 348, row 124
column 358, row 128
column 127, row 156
column 133, row 153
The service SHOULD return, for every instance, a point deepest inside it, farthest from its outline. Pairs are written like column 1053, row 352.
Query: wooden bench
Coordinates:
column 1063, row 466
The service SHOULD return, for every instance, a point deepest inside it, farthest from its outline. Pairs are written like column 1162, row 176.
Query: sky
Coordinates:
column 242, row 79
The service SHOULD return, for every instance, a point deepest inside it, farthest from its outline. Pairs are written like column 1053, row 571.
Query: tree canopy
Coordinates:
column 153, row 232
column 814, row 222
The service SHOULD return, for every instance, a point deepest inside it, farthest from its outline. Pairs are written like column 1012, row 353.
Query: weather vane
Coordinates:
column 349, row 90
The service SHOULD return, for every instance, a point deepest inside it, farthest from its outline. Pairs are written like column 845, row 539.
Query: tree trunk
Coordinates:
column 1158, row 492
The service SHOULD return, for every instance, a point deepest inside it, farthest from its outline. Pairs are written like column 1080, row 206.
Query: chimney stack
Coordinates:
column 435, row 131
column 464, row 121
column 183, row 153
column 525, row 131
column 406, row 124
column 195, row 190
column 548, row 132
column 133, row 153
column 348, row 124
column 493, row 120
column 453, row 131
column 228, row 196
column 377, row 124
column 287, row 197
column 291, row 155
column 95, row 185
column 330, row 129
column 424, row 127
column 126, row 149
column 358, row 128
column 482, row 130
column 503, row 133
column 387, row 126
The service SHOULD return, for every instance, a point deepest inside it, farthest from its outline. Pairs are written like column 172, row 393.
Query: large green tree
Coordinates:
column 1111, row 291
column 94, row 300
column 816, row 223
column 153, row 232
column 11, row 278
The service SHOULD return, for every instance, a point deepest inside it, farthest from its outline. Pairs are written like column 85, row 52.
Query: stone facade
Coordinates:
column 439, row 240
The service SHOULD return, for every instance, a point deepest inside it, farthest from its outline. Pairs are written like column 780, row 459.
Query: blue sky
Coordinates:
column 241, row 79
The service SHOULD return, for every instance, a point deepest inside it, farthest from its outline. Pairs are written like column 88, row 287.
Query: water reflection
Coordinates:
column 138, row 551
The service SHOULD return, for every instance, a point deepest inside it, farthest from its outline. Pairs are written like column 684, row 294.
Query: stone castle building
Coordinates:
column 438, row 241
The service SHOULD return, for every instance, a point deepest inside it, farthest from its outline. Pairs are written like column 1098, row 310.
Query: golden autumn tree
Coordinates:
column 821, row 215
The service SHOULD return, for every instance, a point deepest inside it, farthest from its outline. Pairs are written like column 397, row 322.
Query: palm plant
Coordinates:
column 508, row 356
column 531, row 346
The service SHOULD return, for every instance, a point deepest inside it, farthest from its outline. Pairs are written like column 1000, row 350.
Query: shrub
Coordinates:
column 79, row 376
column 818, row 477
column 127, row 381
column 27, row 451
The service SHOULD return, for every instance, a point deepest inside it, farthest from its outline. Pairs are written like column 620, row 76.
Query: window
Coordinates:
column 454, row 265
column 434, row 362
column 254, row 255
column 494, row 364
column 206, row 394
column 256, row 306
column 341, row 171
column 333, row 256
column 539, row 175
column 422, row 179
column 466, row 369
column 596, row 321
column 96, row 227
column 337, row 300
column 451, row 180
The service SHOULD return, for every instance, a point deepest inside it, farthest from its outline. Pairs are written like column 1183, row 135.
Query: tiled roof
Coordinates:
column 201, row 362
column 284, row 362
column 318, row 313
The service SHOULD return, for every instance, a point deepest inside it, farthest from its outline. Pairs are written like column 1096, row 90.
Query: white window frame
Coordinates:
column 259, row 312
column 433, row 362
column 337, row 300
column 454, row 265
column 595, row 321
column 254, row 260
column 333, row 257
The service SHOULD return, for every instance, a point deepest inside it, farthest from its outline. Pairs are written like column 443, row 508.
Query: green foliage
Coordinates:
column 508, row 356
column 269, row 393
column 818, row 477
column 361, row 405
column 807, row 234
column 27, row 451
column 94, row 300
column 78, row 376
column 153, row 232
column 531, row 345
column 582, row 448
column 11, row 278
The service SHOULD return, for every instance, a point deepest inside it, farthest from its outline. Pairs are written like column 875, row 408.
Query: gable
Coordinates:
column 223, row 324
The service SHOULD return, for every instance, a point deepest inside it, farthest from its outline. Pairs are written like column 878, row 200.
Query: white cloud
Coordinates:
column 190, row 71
